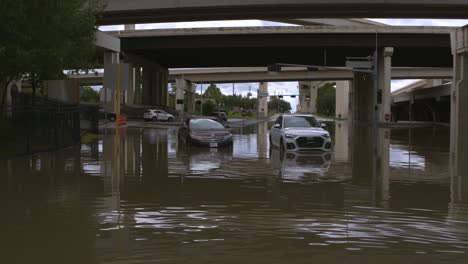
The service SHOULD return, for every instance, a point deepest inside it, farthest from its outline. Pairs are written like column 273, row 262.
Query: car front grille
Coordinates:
column 310, row 142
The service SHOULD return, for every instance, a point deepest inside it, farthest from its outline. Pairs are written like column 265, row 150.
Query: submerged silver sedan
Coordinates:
column 294, row 132
column 205, row 132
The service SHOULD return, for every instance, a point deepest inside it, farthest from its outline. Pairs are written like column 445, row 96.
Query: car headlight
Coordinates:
column 326, row 135
column 290, row 136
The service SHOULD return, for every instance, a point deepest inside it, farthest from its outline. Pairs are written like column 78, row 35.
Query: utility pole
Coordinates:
column 201, row 99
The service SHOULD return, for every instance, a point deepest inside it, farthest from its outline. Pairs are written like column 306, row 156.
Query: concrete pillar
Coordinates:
column 138, row 83
column 154, row 90
column 342, row 99
column 385, row 78
column 130, row 93
column 147, row 85
column 383, row 164
column 180, row 88
column 363, row 158
column 459, row 118
column 341, row 141
column 165, row 87
column 108, row 93
column 362, row 98
column 190, row 92
column 263, row 100
column 262, row 140
column 308, row 96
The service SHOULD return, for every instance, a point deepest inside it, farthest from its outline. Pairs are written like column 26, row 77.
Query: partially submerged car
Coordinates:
column 220, row 116
column 294, row 132
column 204, row 132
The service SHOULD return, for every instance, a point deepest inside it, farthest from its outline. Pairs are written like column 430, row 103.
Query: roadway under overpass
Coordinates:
column 151, row 11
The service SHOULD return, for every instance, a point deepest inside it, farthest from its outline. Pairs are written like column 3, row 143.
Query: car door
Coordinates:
column 157, row 114
column 275, row 133
column 164, row 115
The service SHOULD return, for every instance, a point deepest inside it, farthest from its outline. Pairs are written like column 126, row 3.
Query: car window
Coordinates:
column 205, row 124
column 300, row 121
column 279, row 121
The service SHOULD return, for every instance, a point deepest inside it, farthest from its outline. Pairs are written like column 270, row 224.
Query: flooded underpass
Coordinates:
column 142, row 197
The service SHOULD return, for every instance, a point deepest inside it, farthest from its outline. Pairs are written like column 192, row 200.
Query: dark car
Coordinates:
column 107, row 115
column 205, row 132
column 221, row 116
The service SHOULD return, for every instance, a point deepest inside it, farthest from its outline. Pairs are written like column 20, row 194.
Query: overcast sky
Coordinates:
column 285, row 88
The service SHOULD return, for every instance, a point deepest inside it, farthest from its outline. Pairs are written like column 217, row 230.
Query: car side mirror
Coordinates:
column 322, row 125
column 277, row 126
column 227, row 126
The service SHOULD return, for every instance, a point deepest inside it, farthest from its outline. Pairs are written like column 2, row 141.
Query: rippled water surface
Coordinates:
column 149, row 199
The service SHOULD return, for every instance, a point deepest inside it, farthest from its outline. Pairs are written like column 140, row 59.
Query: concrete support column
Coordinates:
column 108, row 93
column 263, row 99
column 181, row 85
column 308, row 96
column 362, row 98
column 383, row 164
column 342, row 141
column 459, row 118
column 385, row 78
column 163, row 82
column 147, row 85
column 342, row 99
column 138, row 82
column 130, row 100
column 154, row 90
column 190, row 96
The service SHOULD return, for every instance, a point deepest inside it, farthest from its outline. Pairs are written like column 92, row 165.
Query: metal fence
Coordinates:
column 29, row 127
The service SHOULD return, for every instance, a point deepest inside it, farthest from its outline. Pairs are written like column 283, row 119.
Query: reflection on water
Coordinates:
column 383, row 196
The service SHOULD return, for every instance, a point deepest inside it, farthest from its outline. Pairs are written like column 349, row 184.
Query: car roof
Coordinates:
column 298, row 115
column 202, row 117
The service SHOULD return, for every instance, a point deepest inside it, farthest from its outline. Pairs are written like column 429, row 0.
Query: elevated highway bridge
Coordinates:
column 317, row 45
column 153, row 11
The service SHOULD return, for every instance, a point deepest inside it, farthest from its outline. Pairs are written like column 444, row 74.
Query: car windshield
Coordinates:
column 205, row 124
column 300, row 121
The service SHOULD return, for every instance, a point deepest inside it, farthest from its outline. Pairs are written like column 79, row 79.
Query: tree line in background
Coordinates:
column 41, row 38
column 326, row 100
column 214, row 100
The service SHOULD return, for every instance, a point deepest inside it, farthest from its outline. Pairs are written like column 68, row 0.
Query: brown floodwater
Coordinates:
column 142, row 197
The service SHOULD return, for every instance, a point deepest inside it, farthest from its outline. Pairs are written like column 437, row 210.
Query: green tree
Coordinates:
column 278, row 105
column 89, row 95
column 326, row 102
column 41, row 38
column 209, row 107
column 213, row 92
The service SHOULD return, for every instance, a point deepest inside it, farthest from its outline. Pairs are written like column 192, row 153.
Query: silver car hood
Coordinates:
column 306, row 131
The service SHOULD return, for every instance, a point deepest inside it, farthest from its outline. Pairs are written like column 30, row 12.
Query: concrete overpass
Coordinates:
column 261, row 74
column 150, row 11
column 257, row 47
column 425, row 100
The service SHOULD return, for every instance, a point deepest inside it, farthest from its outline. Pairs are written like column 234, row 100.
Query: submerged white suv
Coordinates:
column 293, row 132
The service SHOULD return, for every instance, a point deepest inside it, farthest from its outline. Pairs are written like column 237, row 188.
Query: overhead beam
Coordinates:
column 260, row 74
column 146, row 11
